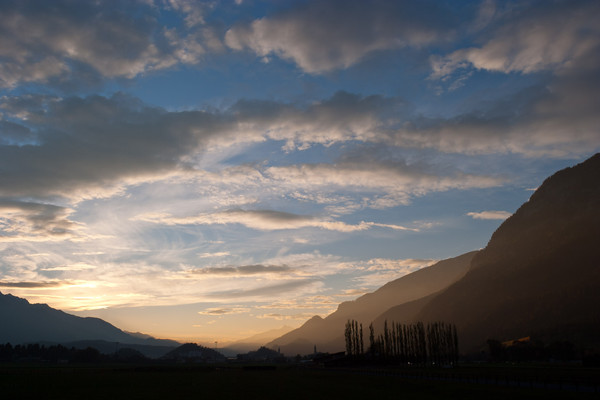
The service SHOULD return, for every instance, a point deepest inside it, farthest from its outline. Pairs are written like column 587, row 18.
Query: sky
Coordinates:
column 208, row 170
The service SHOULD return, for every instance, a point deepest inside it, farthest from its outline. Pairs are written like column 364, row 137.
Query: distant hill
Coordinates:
column 38, row 323
column 539, row 275
column 263, row 354
column 253, row 342
column 191, row 352
column 328, row 333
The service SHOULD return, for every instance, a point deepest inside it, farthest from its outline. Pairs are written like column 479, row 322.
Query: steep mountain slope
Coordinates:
column 539, row 274
column 32, row 323
column 327, row 334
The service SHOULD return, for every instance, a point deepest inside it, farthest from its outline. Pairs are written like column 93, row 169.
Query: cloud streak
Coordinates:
column 265, row 220
column 33, row 285
column 490, row 215
column 244, row 270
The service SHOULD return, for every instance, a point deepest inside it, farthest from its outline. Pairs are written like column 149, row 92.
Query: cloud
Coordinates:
column 321, row 36
column 500, row 215
column 379, row 271
column 557, row 42
column 340, row 118
column 91, row 147
column 32, row 285
column 286, row 317
column 244, row 270
column 194, row 11
column 407, row 265
column 268, row 291
column 88, row 146
column 531, row 39
column 215, row 311
column 555, row 119
column 58, row 41
column 71, row 267
column 394, row 181
column 265, row 220
column 27, row 221
column 216, row 254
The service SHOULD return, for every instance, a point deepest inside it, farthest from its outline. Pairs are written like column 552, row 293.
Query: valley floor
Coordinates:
column 25, row 381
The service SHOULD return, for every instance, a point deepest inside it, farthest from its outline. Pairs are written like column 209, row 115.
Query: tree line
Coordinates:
column 434, row 343
column 59, row 353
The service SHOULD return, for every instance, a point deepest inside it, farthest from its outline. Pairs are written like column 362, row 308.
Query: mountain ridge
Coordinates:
column 327, row 333
column 37, row 323
column 539, row 274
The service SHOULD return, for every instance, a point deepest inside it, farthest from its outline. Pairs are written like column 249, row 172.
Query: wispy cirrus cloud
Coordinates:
column 33, row 285
column 396, row 182
column 296, row 286
column 286, row 317
column 244, row 270
column 264, row 220
column 217, row 311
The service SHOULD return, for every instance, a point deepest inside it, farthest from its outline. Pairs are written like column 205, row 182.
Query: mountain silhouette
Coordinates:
column 539, row 275
column 191, row 352
column 38, row 323
column 253, row 342
column 328, row 333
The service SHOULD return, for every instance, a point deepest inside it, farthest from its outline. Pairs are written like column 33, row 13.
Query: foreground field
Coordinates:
column 157, row 382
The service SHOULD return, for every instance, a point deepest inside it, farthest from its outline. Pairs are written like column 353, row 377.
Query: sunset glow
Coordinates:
column 208, row 171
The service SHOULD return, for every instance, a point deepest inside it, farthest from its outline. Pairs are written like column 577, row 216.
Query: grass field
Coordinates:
column 21, row 381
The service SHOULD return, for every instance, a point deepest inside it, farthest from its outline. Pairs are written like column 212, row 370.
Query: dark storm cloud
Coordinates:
column 324, row 35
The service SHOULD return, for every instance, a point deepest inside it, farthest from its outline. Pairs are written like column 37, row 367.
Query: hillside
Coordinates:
column 327, row 333
column 191, row 352
column 36, row 323
column 540, row 272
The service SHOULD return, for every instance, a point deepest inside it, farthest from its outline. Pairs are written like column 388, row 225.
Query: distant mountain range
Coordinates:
column 38, row 323
column 538, row 276
column 253, row 342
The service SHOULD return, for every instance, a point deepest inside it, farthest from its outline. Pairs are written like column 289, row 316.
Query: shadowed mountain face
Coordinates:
column 328, row 333
column 23, row 322
column 539, row 275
